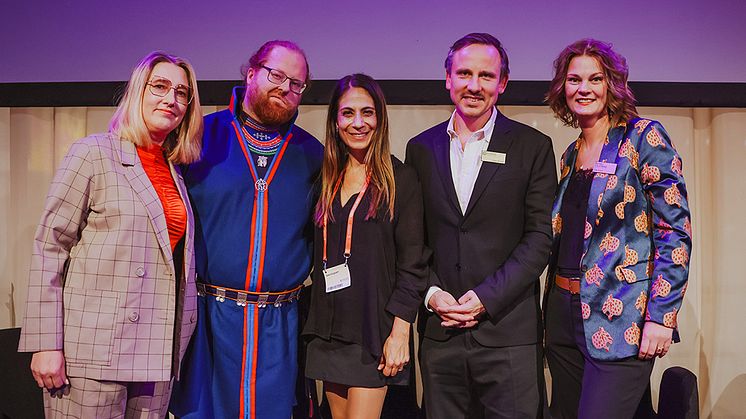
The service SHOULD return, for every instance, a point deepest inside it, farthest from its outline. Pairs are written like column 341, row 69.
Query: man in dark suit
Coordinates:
column 488, row 184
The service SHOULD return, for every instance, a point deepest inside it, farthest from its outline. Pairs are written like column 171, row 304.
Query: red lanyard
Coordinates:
column 348, row 238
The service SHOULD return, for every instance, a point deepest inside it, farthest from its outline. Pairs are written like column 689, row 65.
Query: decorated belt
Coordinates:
column 242, row 297
column 568, row 284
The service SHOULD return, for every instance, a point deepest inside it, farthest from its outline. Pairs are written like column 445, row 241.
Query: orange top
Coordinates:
column 159, row 174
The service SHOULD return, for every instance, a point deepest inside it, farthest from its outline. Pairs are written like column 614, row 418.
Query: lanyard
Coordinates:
column 348, row 236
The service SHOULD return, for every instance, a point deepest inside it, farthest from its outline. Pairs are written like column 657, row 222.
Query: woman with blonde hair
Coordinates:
column 622, row 237
column 369, row 259
column 111, row 296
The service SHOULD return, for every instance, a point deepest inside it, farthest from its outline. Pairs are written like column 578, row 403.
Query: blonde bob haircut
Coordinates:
column 182, row 145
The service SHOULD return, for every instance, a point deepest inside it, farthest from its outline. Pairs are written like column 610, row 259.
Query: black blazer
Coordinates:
column 501, row 244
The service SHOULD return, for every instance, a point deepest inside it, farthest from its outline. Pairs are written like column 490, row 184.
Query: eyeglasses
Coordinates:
column 278, row 77
column 161, row 86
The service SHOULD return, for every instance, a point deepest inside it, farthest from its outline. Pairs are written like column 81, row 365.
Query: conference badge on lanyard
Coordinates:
column 338, row 277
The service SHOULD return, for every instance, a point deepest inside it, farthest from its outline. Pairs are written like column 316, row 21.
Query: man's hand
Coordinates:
column 656, row 340
column 48, row 369
column 442, row 303
column 396, row 349
column 465, row 313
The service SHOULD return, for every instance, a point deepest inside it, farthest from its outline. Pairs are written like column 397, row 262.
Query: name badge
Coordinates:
column 603, row 167
column 337, row 277
column 493, row 157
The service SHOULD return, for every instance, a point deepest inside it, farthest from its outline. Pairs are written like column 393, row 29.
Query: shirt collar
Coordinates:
column 483, row 133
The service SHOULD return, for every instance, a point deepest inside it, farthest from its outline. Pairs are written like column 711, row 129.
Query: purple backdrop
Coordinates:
column 86, row 40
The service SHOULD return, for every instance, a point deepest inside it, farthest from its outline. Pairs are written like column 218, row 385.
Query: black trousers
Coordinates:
column 583, row 387
column 463, row 379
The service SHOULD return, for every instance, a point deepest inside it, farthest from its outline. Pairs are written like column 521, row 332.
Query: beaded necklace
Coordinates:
column 260, row 141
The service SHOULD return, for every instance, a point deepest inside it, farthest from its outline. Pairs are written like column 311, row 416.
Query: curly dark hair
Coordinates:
column 621, row 101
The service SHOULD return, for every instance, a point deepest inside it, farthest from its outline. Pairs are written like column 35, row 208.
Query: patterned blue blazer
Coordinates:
column 637, row 239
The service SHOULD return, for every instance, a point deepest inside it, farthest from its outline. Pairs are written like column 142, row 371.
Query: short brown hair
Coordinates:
column 481, row 39
column 621, row 101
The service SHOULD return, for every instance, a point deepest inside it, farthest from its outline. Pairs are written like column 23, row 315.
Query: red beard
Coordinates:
column 269, row 112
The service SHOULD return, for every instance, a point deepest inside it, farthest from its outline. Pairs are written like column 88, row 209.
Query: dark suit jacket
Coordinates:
column 500, row 245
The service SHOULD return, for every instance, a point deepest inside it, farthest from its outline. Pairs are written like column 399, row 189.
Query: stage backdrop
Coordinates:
column 93, row 40
column 712, row 143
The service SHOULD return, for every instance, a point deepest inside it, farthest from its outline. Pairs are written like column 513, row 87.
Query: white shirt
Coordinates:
column 466, row 161
column 465, row 165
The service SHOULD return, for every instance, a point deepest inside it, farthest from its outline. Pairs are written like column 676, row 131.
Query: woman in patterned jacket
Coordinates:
column 622, row 239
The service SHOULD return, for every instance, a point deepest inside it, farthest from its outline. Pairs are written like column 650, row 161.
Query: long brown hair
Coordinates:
column 378, row 164
column 621, row 101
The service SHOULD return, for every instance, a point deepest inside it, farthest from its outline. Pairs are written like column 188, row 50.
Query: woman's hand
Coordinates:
column 396, row 349
column 48, row 369
column 656, row 339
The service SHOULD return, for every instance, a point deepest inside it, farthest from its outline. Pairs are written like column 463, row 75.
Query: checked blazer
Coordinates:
column 637, row 239
column 102, row 286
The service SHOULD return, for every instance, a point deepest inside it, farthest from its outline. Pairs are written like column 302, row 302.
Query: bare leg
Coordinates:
column 354, row 402
column 365, row 403
column 336, row 394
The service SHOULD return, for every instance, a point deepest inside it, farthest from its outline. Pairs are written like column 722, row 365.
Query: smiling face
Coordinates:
column 475, row 82
column 586, row 90
column 356, row 121
column 163, row 114
column 274, row 104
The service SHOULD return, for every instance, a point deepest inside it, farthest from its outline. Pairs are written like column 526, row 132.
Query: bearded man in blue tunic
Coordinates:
column 252, row 197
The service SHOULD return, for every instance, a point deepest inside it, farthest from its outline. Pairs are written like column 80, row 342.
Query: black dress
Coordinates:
column 347, row 328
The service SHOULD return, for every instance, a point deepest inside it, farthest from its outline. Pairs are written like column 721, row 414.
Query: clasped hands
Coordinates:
column 457, row 314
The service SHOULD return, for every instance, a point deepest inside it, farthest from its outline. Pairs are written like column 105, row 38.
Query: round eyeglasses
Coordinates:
column 160, row 87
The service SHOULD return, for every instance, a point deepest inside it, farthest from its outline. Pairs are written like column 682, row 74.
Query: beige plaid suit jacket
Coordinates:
column 102, row 286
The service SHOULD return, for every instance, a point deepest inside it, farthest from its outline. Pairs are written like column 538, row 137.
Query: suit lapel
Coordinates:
column 144, row 190
column 442, row 150
column 567, row 165
column 499, row 142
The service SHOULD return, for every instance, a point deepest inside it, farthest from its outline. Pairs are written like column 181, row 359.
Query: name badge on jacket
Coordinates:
column 493, row 157
column 603, row 167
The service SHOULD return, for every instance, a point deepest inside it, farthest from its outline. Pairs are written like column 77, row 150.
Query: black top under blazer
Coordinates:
column 501, row 244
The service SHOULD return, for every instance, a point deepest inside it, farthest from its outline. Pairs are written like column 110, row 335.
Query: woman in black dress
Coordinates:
column 369, row 259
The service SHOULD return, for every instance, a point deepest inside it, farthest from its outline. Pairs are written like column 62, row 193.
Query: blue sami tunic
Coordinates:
column 243, row 360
